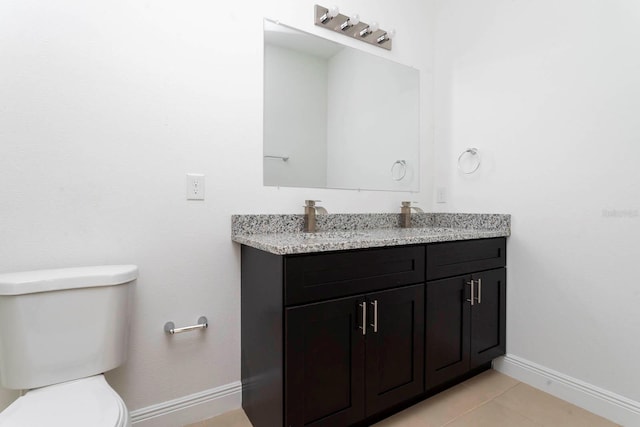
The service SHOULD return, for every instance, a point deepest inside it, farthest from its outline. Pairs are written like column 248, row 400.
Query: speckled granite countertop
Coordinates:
column 282, row 234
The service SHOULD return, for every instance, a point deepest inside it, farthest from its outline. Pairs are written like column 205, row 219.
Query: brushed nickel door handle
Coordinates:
column 472, row 297
column 375, row 315
column 364, row 317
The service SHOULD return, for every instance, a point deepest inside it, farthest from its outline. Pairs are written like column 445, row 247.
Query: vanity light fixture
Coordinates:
column 350, row 22
column 386, row 36
column 369, row 29
column 331, row 13
column 332, row 19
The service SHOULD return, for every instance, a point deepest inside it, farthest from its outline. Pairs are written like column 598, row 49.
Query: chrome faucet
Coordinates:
column 405, row 214
column 310, row 212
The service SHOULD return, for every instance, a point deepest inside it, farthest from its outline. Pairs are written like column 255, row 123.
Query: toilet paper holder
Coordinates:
column 170, row 327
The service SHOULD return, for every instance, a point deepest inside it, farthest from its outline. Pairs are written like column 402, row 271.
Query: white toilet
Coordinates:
column 59, row 331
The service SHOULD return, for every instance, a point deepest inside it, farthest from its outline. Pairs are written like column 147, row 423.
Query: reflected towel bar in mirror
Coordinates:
column 283, row 158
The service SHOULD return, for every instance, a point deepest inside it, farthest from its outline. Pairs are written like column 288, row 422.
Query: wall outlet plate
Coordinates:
column 195, row 186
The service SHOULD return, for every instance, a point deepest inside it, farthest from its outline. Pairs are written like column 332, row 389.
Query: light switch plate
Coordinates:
column 441, row 195
column 195, row 186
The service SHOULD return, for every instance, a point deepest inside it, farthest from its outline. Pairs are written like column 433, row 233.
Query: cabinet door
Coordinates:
column 395, row 347
column 447, row 323
column 324, row 364
column 488, row 316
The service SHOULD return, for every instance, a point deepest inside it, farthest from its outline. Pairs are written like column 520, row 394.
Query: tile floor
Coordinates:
column 490, row 399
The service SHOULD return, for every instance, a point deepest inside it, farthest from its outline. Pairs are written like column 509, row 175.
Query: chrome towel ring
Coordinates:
column 471, row 159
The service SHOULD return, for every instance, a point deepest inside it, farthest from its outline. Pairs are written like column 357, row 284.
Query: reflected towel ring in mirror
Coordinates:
column 399, row 170
column 469, row 161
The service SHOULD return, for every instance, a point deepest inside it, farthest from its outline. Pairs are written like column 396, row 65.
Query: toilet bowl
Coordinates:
column 60, row 330
column 88, row 402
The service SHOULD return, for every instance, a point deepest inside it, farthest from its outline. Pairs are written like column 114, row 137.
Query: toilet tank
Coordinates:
column 64, row 324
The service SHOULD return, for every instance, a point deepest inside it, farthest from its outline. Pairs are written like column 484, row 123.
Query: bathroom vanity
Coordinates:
column 345, row 327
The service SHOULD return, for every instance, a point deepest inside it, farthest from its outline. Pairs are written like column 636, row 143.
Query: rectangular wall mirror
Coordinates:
column 337, row 117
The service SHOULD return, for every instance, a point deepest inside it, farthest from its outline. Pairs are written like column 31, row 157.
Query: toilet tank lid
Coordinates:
column 28, row 282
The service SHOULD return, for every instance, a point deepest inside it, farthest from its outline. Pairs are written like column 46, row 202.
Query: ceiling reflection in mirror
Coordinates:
column 337, row 117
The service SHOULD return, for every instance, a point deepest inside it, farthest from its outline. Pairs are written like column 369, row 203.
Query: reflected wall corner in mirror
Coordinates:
column 337, row 117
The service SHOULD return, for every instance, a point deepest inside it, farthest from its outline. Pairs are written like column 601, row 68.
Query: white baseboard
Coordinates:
column 607, row 404
column 190, row 409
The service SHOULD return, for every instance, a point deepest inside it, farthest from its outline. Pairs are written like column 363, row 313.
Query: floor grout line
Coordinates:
column 480, row 405
column 538, row 422
column 510, row 388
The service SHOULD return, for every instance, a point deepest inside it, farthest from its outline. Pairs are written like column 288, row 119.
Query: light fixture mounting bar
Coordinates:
column 377, row 38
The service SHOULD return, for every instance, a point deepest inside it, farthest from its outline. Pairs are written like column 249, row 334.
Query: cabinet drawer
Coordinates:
column 318, row 277
column 467, row 256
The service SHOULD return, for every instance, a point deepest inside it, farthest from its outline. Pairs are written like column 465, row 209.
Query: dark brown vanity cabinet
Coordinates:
column 339, row 372
column 466, row 313
column 338, row 338
column 330, row 339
